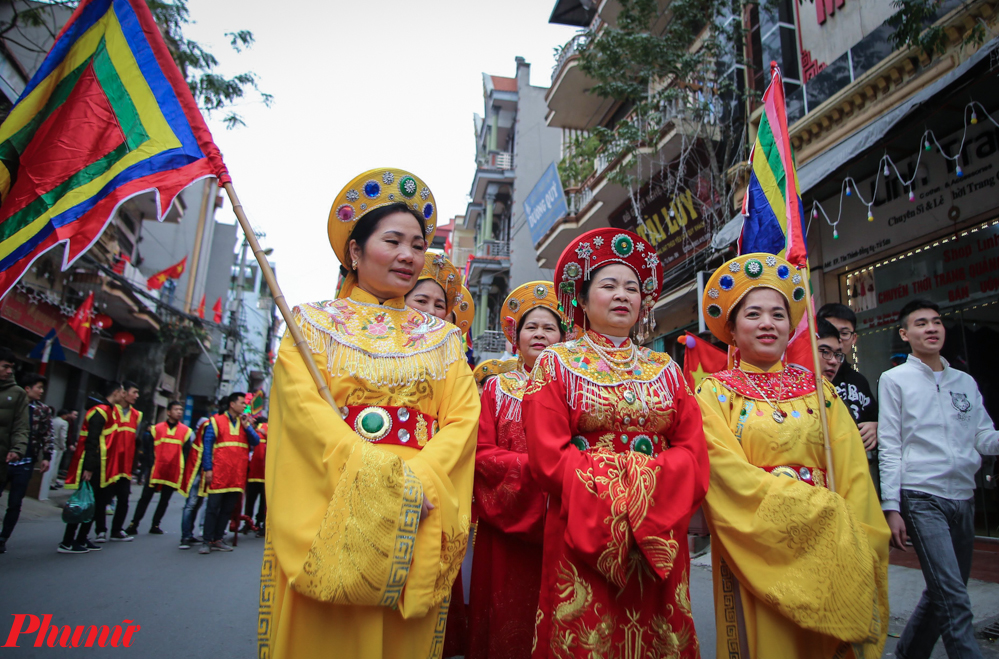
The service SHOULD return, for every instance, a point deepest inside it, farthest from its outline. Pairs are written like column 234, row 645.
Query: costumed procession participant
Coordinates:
column 489, row 368
column 225, row 455
column 437, row 287
column 798, row 570
column 509, row 505
column 934, row 428
column 255, row 480
column 369, row 504
column 169, row 438
column 190, row 485
column 615, row 440
column 121, row 461
column 92, row 457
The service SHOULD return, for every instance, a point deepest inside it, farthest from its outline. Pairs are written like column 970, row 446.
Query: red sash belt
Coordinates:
column 650, row 444
column 809, row 475
column 385, row 424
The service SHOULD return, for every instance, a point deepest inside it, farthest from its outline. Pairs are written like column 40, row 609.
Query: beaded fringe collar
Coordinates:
column 510, row 386
column 421, row 346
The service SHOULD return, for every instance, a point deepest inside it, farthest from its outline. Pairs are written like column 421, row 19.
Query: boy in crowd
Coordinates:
column 933, row 415
column 39, row 451
column 853, row 387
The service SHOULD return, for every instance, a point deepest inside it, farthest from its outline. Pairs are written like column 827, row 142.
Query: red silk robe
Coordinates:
column 168, row 447
column 625, row 466
column 259, row 457
column 506, row 566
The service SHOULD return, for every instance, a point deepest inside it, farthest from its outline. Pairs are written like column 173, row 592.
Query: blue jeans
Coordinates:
column 191, row 507
column 943, row 535
column 18, row 476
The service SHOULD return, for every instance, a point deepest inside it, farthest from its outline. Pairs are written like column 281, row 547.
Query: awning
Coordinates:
column 816, row 170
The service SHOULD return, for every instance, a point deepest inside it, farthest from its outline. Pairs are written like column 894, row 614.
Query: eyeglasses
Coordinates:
column 845, row 334
column 827, row 354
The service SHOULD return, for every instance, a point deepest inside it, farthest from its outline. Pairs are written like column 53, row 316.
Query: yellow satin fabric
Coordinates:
column 322, row 477
column 811, row 566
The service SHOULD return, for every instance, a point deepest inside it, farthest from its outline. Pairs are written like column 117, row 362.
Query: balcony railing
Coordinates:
column 568, row 50
column 489, row 341
column 502, row 160
column 577, row 201
column 497, row 249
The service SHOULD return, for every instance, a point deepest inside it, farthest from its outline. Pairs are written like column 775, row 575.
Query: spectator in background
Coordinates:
column 39, row 452
column 60, row 431
column 255, row 481
column 167, row 468
column 853, row 387
column 933, row 429
column 14, row 420
column 190, row 485
column 126, row 421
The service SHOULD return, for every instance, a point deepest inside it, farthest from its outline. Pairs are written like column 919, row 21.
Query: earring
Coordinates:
column 353, row 265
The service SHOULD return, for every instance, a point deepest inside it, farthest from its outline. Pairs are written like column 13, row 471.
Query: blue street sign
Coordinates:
column 545, row 205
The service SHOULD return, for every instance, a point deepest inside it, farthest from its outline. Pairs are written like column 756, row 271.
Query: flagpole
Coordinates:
column 199, row 235
column 282, row 304
column 819, row 387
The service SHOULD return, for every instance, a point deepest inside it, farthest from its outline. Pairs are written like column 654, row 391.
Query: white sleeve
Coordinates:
column 986, row 436
column 890, row 441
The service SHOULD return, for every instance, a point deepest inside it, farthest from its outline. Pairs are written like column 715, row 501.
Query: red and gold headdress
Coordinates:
column 601, row 247
column 437, row 267
column 525, row 297
column 492, row 367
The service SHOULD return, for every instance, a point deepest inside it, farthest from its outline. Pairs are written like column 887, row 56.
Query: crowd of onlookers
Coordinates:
column 112, row 447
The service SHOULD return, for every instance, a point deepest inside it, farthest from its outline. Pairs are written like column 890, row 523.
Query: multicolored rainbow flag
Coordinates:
column 107, row 116
column 774, row 216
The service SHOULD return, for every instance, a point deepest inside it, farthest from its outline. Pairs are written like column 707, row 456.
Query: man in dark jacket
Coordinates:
column 14, row 422
column 87, row 462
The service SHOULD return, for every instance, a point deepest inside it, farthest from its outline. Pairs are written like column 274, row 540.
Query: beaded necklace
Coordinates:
column 623, row 368
column 778, row 415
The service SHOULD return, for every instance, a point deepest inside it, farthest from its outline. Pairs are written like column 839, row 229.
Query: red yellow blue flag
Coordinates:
column 107, row 116
column 774, row 215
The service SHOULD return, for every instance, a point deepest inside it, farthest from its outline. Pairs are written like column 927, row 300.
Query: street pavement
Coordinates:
column 189, row 605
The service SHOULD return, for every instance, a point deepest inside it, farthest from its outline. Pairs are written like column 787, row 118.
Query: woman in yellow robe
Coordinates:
column 799, row 571
column 369, row 504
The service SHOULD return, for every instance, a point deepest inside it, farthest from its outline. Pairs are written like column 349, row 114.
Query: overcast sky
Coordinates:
column 360, row 85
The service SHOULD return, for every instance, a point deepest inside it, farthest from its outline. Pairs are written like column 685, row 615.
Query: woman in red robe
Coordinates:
column 615, row 439
column 506, row 567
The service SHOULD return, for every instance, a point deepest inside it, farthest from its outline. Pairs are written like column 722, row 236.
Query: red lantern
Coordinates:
column 124, row 339
column 103, row 321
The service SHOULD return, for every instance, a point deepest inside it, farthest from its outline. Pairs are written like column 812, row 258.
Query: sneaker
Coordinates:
column 260, row 532
column 219, row 545
column 101, row 537
column 75, row 548
column 206, row 548
column 186, row 543
column 156, row 530
column 121, row 537
column 91, row 546
column 132, row 530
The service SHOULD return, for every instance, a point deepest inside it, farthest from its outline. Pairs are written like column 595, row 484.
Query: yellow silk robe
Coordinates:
column 808, row 568
column 349, row 570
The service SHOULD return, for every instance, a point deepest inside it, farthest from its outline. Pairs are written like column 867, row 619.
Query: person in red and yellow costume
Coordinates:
column 798, row 571
column 614, row 438
column 119, row 465
column 368, row 505
column 255, row 481
column 91, row 459
column 225, row 455
column 437, row 287
column 509, row 504
column 169, row 437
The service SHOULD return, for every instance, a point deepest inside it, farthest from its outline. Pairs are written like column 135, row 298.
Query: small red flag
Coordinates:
column 218, row 310
column 799, row 348
column 173, row 272
column 700, row 359
column 119, row 263
column 80, row 323
column 201, row 307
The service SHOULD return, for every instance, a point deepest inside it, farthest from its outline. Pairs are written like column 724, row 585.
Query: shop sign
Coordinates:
column 941, row 198
column 545, row 204
column 828, row 28
column 670, row 222
column 961, row 270
column 39, row 318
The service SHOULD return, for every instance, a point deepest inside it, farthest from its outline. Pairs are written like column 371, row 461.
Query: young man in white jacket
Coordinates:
column 933, row 429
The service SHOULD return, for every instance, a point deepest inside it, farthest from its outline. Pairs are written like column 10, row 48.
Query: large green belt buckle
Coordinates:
column 373, row 423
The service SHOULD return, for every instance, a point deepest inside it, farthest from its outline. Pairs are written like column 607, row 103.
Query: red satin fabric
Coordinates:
column 506, row 565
